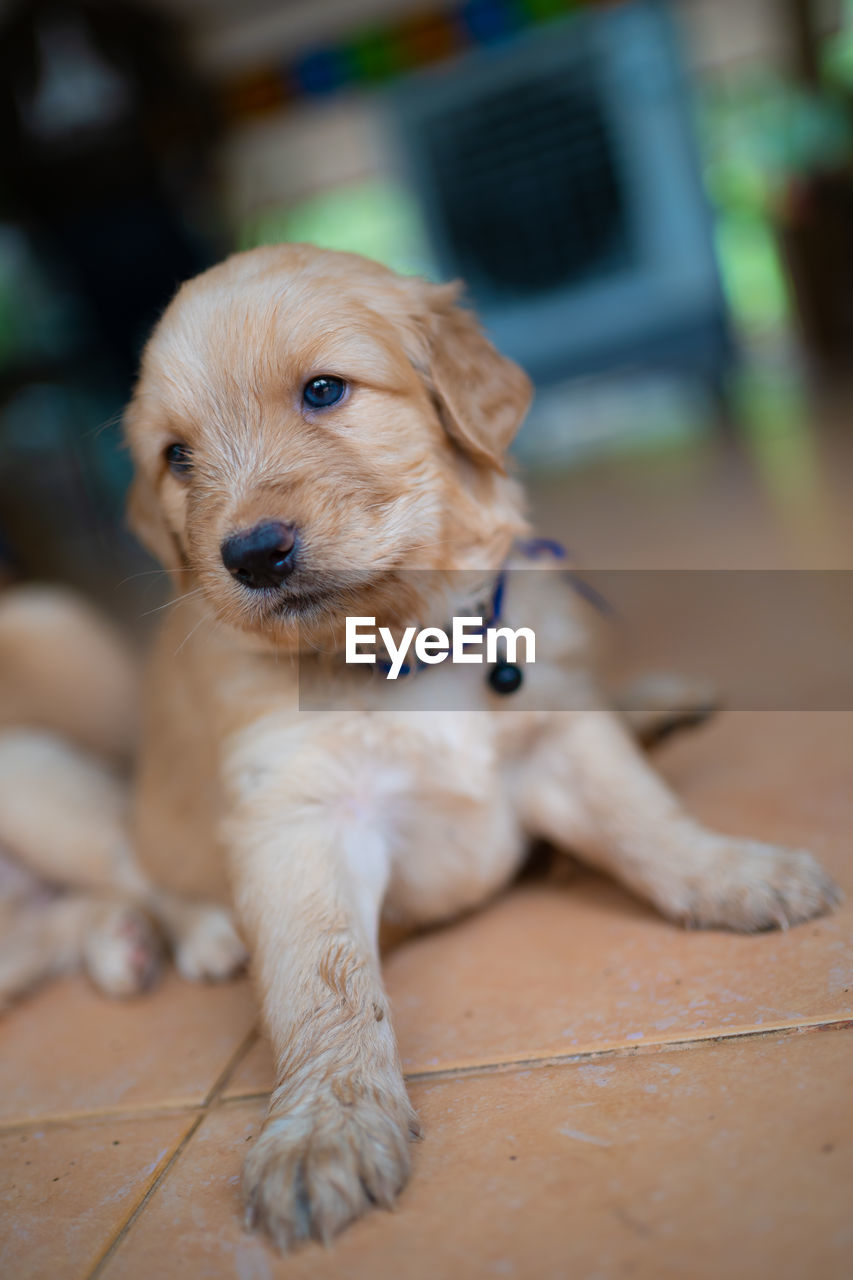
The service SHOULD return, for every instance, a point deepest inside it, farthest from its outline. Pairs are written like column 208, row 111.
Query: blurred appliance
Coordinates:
column 559, row 179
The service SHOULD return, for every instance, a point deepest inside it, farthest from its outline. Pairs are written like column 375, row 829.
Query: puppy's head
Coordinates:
column 309, row 429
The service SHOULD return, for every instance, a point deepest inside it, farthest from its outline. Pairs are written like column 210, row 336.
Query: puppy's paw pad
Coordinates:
column 752, row 886
column 122, row 953
column 210, row 950
column 309, row 1175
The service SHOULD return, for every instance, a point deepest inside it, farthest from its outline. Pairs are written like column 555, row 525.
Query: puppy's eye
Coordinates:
column 179, row 460
column 323, row 392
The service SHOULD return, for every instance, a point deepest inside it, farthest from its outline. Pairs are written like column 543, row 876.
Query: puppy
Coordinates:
column 315, row 438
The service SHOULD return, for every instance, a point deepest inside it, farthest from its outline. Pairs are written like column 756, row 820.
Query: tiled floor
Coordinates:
column 603, row 1094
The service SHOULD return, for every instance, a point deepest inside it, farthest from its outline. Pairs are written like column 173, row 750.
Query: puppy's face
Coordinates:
column 308, row 428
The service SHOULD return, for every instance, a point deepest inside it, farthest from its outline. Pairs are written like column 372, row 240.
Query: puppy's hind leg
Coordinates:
column 74, row 896
column 27, row 953
column 63, row 814
column 41, row 938
column 63, row 819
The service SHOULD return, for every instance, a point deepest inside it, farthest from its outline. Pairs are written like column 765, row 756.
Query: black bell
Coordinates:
column 505, row 678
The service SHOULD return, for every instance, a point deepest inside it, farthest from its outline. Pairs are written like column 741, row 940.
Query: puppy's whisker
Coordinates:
column 113, row 420
column 145, row 573
column 204, row 618
column 188, row 595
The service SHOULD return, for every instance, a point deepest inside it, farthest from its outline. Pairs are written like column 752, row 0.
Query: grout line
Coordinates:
column 106, row 1115
column 212, row 1094
column 629, row 1051
column 593, row 1055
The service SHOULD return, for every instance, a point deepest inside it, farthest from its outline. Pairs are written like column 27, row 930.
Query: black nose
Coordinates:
column 261, row 557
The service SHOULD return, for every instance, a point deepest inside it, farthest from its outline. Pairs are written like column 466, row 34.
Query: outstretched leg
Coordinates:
column 308, row 890
column 587, row 787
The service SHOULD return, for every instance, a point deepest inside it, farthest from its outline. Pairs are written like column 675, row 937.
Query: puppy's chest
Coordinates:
column 398, row 759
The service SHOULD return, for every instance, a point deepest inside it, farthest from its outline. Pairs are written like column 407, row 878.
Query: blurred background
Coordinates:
column 651, row 204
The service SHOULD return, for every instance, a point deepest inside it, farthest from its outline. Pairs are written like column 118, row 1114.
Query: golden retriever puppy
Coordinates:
column 316, row 438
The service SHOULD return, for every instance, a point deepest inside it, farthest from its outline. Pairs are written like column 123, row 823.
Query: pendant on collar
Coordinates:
column 505, row 678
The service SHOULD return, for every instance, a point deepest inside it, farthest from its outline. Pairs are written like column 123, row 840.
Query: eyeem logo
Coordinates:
column 433, row 645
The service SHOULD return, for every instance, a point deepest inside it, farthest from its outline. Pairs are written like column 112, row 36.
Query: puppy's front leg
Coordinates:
column 589, row 788
column 308, row 891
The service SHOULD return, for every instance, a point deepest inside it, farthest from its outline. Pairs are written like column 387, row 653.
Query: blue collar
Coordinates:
column 493, row 619
column 531, row 549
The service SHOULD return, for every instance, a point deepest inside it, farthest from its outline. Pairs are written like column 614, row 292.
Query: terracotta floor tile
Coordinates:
column 728, row 1159
column 788, row 775
column 70, row 1050
column 574, row 963
column 66, row 1190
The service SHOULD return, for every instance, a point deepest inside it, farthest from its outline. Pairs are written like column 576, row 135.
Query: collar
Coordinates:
column 530, row 549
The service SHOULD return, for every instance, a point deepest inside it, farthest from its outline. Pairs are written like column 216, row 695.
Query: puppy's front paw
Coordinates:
column 319, row 1167
column 747, row 885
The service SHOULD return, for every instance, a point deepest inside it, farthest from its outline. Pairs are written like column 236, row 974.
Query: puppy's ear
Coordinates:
column 145, row 517
column 482, row 396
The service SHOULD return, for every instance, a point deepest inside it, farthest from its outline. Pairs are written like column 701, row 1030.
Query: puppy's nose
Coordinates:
column 261, row 557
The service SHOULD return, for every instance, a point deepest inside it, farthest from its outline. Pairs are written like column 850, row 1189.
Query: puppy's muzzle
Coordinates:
column 261, row 557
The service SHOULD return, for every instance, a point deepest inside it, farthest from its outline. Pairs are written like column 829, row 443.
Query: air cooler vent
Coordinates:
column 558, row 176
column 528, row 186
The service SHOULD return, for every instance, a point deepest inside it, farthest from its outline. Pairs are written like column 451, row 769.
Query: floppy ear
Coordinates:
column 482, row 396
column 145, row 517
